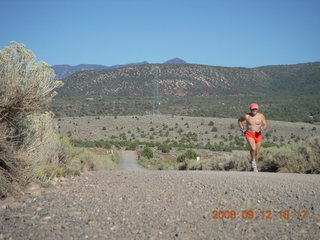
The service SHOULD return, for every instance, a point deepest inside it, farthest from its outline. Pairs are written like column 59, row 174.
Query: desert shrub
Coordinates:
column 165, row 148
column 147, row 152
column 296, row 158
column 237, row 160
column 182, row 166
column 107, row 145
column 190, row 154
column 194, row 165
column 132, row 146
column 25, row 88
column 214, row 129
column 49, row 152
column 181, row 158
column 211, row 123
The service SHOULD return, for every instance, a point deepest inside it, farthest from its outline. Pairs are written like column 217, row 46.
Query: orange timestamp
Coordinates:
column 265, row 214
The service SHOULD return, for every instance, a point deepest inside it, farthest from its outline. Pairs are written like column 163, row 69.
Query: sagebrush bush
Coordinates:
column 26, row 86
column 302, row 157
column 46, row 150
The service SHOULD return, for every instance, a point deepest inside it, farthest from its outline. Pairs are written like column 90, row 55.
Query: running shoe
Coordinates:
column 254, row 166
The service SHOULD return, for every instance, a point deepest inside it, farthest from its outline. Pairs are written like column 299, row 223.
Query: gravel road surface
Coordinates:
column 129, row 161
column 166, row 205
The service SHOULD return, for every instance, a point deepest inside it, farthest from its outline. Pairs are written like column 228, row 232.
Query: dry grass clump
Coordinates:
column 187, row 160
column 237, row 161
column 302, row 157
column 159, row 161
column 84, row 159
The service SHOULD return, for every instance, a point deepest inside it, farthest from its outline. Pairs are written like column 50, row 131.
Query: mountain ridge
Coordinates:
column 194, row 80
column 65, row 70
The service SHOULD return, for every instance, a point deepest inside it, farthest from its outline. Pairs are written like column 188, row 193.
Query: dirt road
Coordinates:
column 129, row 161
column 167, row 205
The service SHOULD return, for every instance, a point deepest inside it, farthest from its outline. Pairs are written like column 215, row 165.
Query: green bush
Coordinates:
column 214, row 129
column 165, row 148
column 147, row 152
column 132, row 146
column 181, row 158
column 190, row 154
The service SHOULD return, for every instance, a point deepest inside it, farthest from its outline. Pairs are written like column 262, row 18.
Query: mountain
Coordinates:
column 175, row 61
column 65, row 70
column 284, row 92
column 195, row 80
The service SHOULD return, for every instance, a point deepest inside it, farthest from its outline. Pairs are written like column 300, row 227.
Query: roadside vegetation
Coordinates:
column 298, row 157
column 30, row 148
column 166, row 142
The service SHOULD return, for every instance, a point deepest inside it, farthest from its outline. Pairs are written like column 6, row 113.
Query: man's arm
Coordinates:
column 240, row 120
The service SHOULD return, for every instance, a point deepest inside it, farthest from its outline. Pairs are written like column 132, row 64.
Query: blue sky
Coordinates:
column 234, row 33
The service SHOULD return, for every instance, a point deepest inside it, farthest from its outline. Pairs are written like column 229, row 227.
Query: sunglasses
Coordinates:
column 254, row 109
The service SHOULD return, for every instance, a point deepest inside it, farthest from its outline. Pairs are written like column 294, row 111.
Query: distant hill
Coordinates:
column 64, row 70
column 284, row 92
column 175, row 61
column 195, row 80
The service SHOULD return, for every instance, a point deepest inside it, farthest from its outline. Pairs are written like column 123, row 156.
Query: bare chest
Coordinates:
column 256, row 120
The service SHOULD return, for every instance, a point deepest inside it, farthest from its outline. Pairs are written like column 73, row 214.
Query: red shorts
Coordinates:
column 257, row 136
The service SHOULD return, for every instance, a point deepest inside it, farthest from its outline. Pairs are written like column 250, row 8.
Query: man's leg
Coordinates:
column 253, row 147
column 258, row 147
column 253, row 153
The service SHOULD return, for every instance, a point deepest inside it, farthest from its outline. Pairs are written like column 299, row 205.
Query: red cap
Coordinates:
column 253, row 106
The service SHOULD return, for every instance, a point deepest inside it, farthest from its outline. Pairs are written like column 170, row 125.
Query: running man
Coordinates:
column 256, row 123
